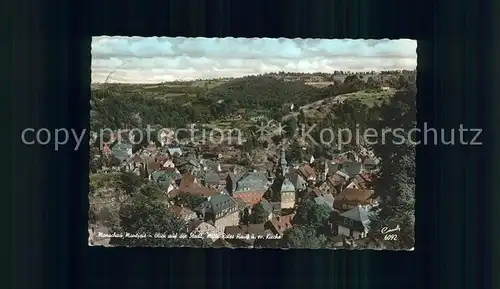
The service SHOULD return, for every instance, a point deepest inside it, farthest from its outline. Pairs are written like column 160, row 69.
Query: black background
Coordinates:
column 47, row 85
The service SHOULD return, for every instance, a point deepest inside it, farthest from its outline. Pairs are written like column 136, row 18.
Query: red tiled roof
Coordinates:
column 161, row 159
column 336, row 180
column 282, row 223
column 317, row 192
column 174, row 193
column 169, row 170
column 368, row 177
column 339, row 160
column 250, row 197
column 105, row 148
column 198, row 191
column 137, row 158
column 180, row 211
column 187, row 180
column 307, row 171
column 358, row 180
column 153, row 166
column 353, row 196
column 256, row 229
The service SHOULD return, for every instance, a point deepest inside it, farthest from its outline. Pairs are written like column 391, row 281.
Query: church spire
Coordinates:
column 324, row 172
column 283, row 157
column 283, row 162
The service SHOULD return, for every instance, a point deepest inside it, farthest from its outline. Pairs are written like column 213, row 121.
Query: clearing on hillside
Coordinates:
column 370, row 98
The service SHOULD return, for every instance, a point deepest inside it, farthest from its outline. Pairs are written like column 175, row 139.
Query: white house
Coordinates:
column 199, row 228
column 352, row 185
column 168, row 164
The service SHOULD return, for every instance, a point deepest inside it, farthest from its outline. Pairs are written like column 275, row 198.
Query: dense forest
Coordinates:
column 261, row 92
column 176, row 105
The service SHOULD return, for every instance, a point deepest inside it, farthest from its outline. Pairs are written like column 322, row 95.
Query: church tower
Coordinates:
column 283, row 191
column 283, row 163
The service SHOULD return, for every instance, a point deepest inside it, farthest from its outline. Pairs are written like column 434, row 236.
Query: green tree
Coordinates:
column 305, row 237
column 193, row 112
column 351, row 79
column 371, row 84
column 245, row 161
column 131, row 182
column 291, row 126
column 144, row 215
column 319, row 151
column 188, row 201
column 152, row 190
column 296, row 153
column 249, row 145
column 353, row 82
column 311, row 214
column 402, row 82
column 277, row 115
column 395, row 185
column 260, row 214
column 112, row 161
column 302, row 117
column 184, row 134
column 276, row 139
column 95, row 164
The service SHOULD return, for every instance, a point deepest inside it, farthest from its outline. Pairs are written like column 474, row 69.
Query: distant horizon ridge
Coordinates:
column 345, row 72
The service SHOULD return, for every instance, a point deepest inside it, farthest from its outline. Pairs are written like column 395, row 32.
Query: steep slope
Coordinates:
column 264, row 92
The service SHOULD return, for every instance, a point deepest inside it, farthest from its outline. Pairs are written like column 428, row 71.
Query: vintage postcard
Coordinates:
column 253, row 143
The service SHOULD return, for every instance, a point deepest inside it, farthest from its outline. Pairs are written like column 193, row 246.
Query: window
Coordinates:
column 345, row 221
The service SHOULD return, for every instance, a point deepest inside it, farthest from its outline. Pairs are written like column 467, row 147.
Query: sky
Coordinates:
column 159, row 59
